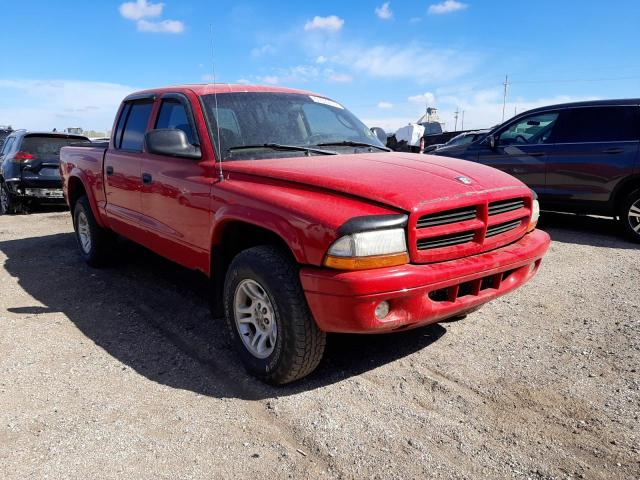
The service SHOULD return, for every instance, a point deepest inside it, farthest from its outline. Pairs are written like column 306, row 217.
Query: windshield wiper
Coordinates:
column 278, row 146
column 349, row 143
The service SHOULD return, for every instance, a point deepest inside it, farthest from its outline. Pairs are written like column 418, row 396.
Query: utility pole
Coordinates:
column 455, row 115
column 504, row 98
column 462, row 126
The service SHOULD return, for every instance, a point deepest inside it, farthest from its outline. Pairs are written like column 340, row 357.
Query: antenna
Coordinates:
column 504, row 98
column 215, row 99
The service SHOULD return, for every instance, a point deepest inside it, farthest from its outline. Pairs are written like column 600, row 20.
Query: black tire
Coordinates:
column 102, row 240
column 300, row 344
column 8, row 202
column 629, row 209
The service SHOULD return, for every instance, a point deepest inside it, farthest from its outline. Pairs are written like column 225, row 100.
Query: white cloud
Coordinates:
column 448, row 6
column 140, row 9
column 384, row 12
column 322, row 59
column 270, row 79
column 413, row 61
column 243, row 81
column 427, row 97
column 340, row 77
column 331, row 23
column 48, row 104
column 385, row 105
column 266, row 49
column 164, row 26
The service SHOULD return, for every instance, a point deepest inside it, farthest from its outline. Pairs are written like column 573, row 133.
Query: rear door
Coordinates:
column 522, row 148
column 176, row 192
column 122, row 169
column 594, row 148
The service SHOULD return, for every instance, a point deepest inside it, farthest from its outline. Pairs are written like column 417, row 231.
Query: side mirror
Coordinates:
column 380, row 133
column 171, row 142
column 491, row 141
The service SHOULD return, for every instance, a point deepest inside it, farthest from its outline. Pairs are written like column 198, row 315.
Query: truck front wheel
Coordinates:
column 268, row 316
column 95, row 242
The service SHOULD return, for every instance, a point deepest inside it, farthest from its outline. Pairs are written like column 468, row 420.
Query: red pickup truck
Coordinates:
column 303, row 220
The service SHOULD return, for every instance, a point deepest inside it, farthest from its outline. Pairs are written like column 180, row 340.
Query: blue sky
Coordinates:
column 69, row 63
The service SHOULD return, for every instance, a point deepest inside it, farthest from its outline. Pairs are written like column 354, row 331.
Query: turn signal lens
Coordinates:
column 365, row 263
column 535, row 215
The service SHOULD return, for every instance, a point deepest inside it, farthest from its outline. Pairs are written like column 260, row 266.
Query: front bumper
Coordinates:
column 419, row 294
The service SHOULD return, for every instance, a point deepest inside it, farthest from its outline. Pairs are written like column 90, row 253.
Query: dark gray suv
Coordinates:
column 578, row 157
column 29, row 168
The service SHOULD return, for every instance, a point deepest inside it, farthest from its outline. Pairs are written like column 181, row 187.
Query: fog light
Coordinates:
column 382, row 310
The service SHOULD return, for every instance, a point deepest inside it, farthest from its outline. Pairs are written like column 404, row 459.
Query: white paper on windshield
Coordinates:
column 326, row 101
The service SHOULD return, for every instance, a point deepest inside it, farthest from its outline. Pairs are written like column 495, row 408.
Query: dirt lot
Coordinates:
column 121, row 373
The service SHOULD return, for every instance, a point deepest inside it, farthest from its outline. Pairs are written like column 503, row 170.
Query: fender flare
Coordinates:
column 271, row 221
column 79, row 176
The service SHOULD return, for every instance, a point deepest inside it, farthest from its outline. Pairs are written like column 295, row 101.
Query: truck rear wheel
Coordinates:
column 268, row 316
column 630, row 216
column 95, row 242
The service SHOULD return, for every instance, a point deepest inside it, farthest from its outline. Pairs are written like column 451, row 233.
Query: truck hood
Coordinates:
column 401, row 180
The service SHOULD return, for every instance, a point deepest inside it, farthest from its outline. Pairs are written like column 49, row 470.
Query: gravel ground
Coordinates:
column 121, row 373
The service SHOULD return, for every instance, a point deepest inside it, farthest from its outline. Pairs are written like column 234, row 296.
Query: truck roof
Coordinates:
column 209, row 88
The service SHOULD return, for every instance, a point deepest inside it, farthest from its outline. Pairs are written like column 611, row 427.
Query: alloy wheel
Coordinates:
column 84, row 232
column 633, row 216
column 255, row 318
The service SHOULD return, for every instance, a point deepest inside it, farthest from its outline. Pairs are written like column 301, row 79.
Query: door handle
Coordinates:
column 109, row 170
column 536, row 154
column 613, row 150
column 146, row 178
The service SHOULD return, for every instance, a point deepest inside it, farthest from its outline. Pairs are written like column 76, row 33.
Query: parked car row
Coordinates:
column 307, row 224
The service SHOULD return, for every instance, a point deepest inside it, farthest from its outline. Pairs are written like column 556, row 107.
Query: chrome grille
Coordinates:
column 494, row 230
column 447, row 217
column 504, row 206
column 445, row 240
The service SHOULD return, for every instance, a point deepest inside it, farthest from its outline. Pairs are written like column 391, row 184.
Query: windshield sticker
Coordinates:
column 326, row 101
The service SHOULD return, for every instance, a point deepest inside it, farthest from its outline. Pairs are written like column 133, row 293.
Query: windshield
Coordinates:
column 259, row 120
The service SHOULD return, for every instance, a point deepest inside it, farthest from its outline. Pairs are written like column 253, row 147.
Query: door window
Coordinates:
column 599, row 124
column 135, row 126
column 173, row 114
column 531, row 130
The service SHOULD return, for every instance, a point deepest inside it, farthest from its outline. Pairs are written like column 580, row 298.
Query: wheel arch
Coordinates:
column 623, row 189
column 236, row 234
column 76, row 188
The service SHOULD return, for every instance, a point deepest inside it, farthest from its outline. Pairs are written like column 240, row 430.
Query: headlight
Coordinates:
column 375, row 249
column 535, row 215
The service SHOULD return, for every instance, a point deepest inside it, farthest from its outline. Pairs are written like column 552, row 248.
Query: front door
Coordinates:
column 521, row 149
column 176, row 193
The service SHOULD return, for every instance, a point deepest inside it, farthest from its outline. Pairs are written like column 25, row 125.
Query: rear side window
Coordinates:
column 599, row 124
column 43, row 147
column 174, row 115
column 135, row 126
column 7, row 146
